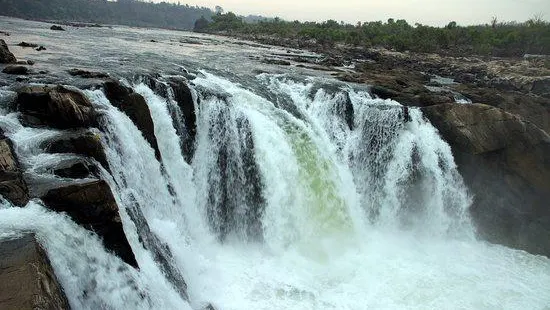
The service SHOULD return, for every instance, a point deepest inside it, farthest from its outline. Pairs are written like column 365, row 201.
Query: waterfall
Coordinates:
column 297, row 193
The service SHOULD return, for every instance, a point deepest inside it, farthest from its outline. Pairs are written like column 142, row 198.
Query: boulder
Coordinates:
column 86, row 144
column 93, row 206
column 27, row 279
column 87, row 74
column 40, row 48
column 16, row 70
column 57, row 107
column 135, row 106
column 6, row 57
column 27, row 44
column 504, row 162
column 12, row 185
column 57, row 28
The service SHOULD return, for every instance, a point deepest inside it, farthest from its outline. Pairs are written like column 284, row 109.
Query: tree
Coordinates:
column 201, row 24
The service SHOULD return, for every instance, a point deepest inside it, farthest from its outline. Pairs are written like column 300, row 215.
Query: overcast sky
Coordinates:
column 434, row 12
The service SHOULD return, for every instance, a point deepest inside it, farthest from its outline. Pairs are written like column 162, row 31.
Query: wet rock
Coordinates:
column 6, row 57
column 87, row 74
column 57, row 107
column 57, row 28
column 27, row 44
column 25, row 62
column 16, row 70
column 86, row 144
column 383, row 92
column 93, row 206
column 5, row 33
column 504, row 161
column 135, row 106
column 77, row 170
column 27, row 279
column 12, row 185
column 182, row 95
column 40, row 48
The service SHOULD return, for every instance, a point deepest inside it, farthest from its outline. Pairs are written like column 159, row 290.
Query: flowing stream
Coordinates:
column 301, row 193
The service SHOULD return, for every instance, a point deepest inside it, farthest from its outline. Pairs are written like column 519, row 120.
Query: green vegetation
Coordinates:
column 497, row 38
column 123, row 12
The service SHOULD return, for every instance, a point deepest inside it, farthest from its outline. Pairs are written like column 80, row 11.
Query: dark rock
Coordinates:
column 41, row 48
column 27, row 44
column 135, row 106
column 21, row 79
column 57, row 28
column 12, row 185
column 5, row 33
column 87, row 144
column 504, row 161
column 57, row 107
column 274, row 61
column 184, row 98
column 27, row 279
column 93, row 206
column 6, row 57
column 77, row 170
column 383, row 93
column 541, row 87
column 87, row 74
column 18, row 70
column 25, row 62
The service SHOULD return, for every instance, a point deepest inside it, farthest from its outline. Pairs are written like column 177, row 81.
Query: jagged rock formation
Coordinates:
column 6, row 57
column 504, row 161
column 135, row 107
column 93, row 206
column 27, row 280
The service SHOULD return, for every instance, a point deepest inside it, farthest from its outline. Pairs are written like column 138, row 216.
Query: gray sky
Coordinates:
column 434, row 12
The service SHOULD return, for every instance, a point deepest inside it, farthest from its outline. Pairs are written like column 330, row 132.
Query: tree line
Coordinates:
column 492, row 39
column 122, row 12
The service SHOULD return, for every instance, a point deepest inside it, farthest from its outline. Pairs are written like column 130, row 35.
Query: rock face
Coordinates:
column 93, row 206
column 504, row 161
column 57, row 107
column 27, row 280
column 135, row 106
column 12, row 185
column 6, row 57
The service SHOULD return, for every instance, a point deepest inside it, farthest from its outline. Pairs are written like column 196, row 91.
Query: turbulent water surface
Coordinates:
column 300, row 193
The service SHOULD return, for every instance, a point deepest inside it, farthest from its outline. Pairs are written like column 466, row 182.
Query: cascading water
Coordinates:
column 300, row 194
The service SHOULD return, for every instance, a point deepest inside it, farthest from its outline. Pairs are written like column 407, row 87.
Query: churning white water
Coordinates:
column 301, row 194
